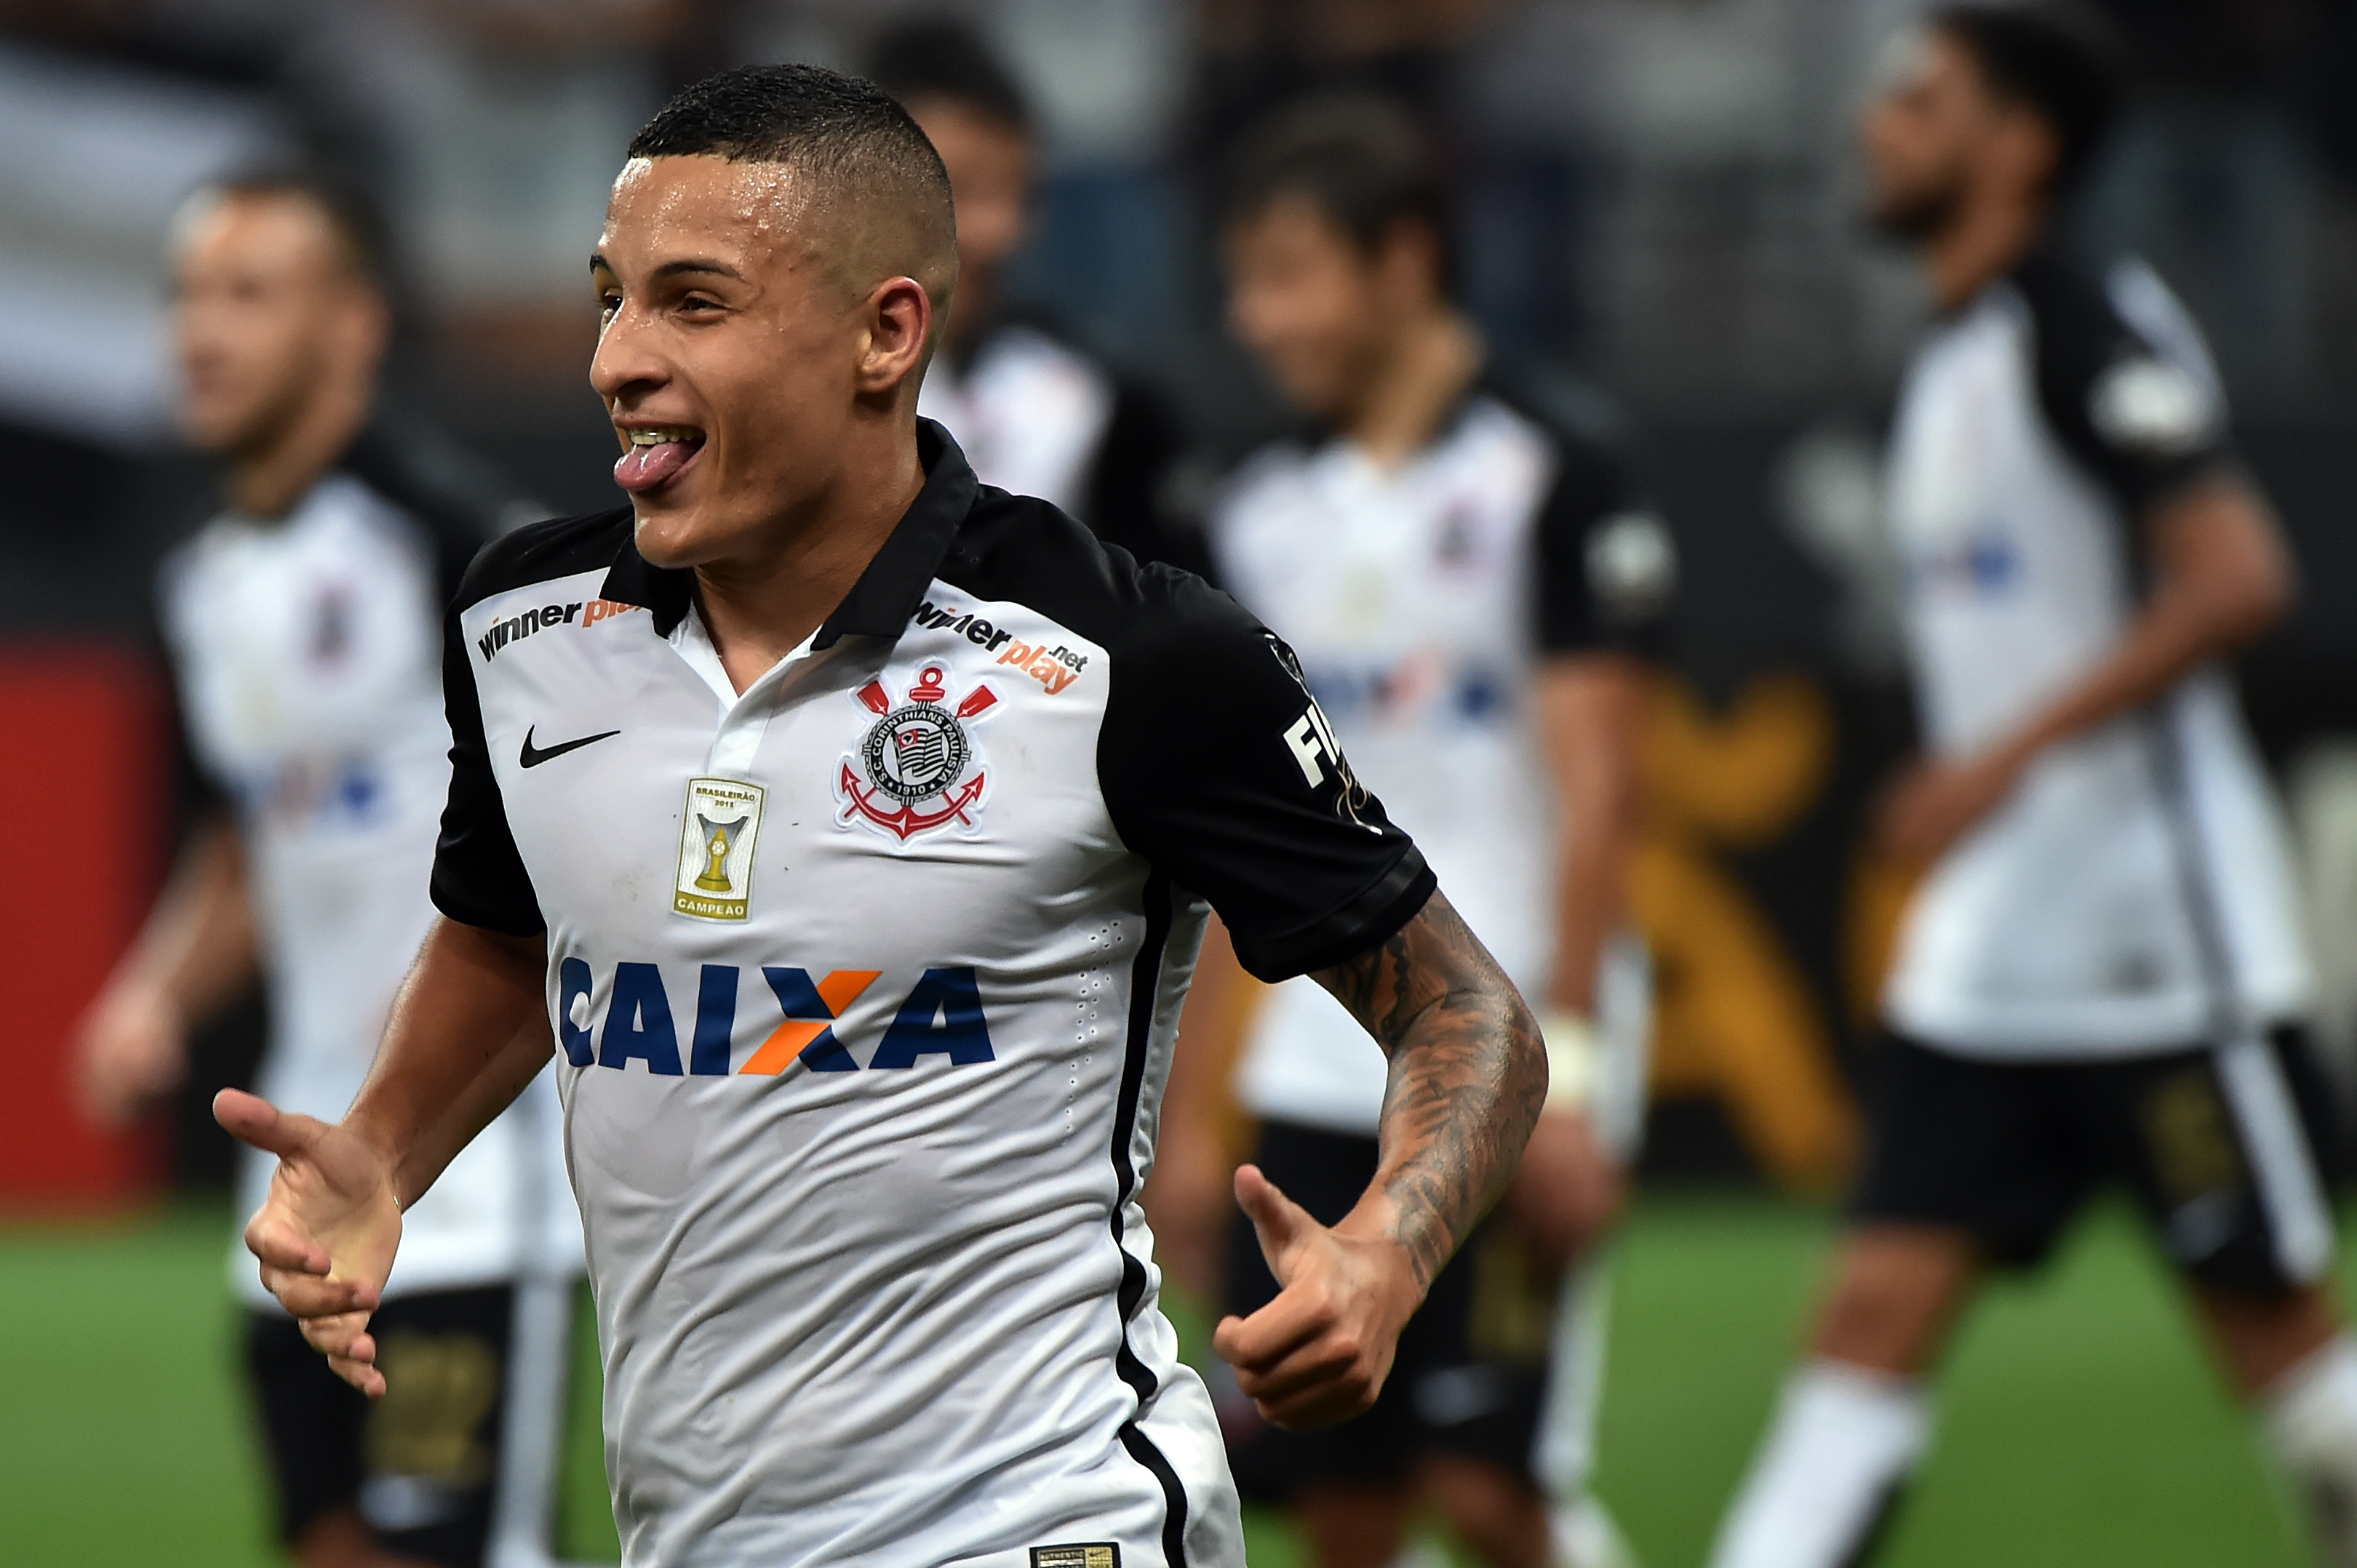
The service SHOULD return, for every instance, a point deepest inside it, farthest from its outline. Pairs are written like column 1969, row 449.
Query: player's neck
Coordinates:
column 1989, row 236
column 758, row 609
column 1416, row 381
column 268, row 478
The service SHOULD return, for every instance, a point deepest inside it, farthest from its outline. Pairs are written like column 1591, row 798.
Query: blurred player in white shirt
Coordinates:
column 302, row 630
column 2101, row 980
column 1475, row 588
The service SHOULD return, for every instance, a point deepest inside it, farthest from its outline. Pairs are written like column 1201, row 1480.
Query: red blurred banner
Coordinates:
column 83, row 817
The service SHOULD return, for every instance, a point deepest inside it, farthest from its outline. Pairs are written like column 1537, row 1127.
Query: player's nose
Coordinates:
column 626, row 364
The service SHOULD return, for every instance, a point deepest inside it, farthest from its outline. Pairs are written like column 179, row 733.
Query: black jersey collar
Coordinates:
column 886, row 592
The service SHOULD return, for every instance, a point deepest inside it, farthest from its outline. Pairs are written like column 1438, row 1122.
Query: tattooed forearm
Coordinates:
column 1468, row 1076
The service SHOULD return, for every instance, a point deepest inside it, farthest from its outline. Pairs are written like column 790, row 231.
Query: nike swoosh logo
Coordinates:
column 532, row 756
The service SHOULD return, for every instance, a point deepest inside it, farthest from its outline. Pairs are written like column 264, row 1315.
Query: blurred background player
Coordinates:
column 303, row 627
column 1034, row 413
column 2101, row 979
column 1472, row 585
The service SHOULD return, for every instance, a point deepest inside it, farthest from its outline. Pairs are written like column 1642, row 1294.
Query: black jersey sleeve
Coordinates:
column 1218, row 766
column 2138, row 411
column 1606, row 564
column 480, row 879
column 478, row 875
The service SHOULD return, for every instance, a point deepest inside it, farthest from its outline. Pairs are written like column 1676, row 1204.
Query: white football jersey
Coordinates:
column 306, row 653
column 865, row 981
column 1421, row 600
column 2134, row 893
column 1027, row 411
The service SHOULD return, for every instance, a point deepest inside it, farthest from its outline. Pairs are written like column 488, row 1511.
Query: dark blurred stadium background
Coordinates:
column 1655, row 193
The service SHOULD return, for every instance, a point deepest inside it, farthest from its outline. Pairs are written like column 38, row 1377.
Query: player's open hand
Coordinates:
column 1320, row 1351
column 1934, row 803
column 326, row 1234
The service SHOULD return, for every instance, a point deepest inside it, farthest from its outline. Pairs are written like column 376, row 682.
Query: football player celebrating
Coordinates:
column 1474, row 588
column 2100, row 979
column 302, row 625
column 851, row 826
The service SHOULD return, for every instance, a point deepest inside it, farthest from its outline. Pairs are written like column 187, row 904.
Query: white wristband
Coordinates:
column 1572, row 1065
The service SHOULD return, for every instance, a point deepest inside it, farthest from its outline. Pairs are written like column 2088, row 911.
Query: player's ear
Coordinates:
column 899, row 331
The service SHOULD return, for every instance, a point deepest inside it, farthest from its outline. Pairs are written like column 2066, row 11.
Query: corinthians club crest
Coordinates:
column 916, row 770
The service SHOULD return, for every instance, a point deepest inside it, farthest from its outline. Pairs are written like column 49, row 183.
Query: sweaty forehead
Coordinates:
column 703, row 198
column 754, row 214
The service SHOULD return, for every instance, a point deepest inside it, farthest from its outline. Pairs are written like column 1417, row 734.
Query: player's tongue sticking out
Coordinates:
column 655, row 455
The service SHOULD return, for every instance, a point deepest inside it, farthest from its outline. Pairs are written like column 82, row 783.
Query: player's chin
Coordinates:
column 1906, row 213
column 1311, row 385
column 675, row 530
column 218, row 423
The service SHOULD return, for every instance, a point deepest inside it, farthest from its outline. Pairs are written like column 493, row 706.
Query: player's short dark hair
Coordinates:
column 353, row 218
column 944, row 57
column 842, row 133
column 1359, row 159
column 2054, row 57
column 834, row 127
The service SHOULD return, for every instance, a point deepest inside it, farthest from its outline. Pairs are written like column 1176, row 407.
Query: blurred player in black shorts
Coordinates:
column 1475, row 586
column 302, row 625
column 2100, row 980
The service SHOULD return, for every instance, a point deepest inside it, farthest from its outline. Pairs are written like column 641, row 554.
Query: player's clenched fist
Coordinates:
column 1319, row 1352
column 326, row 1233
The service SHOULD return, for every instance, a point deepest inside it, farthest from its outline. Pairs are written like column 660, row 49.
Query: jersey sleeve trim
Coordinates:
column 1364, row 923
column 1218, row 766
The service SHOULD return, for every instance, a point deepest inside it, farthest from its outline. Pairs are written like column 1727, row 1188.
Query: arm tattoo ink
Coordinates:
column 1468, row 1076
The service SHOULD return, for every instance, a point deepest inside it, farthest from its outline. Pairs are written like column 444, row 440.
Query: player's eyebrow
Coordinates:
column 688, row 266
column 693, row 264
